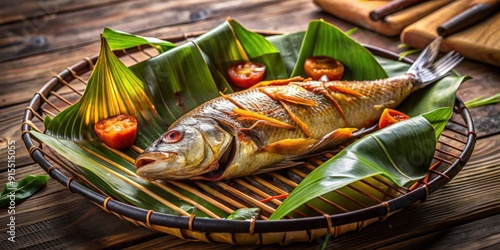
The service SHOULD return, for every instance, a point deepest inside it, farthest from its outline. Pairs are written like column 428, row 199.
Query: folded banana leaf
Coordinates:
column 402, row 154
column 159, row 90
column 118, row 40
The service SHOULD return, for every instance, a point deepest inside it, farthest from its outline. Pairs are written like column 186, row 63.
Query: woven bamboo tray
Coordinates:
column 453, row 150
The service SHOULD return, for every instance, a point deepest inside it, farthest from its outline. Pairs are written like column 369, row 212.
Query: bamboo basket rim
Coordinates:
column 150, row 218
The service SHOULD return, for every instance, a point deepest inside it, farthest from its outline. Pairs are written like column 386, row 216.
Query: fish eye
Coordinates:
column 173, row 136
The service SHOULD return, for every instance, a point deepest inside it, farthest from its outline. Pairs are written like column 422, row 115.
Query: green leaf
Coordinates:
column 260, row 50
column 289, row 47
column 244, row 214
column 175, row 87
column 221, row 45
column 483, row 101
column 351, row 31
column 439, row 118
column 392, row 67
column 112, row 89
column 322, row 38
column 407, row 53
column 402, row 153
column 118, row 40
column 23, row 189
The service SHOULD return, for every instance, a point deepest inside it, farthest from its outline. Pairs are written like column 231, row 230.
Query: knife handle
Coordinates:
column 467, row 18
column 392, row 7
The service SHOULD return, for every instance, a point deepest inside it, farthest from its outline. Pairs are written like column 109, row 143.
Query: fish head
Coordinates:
column 189, row 149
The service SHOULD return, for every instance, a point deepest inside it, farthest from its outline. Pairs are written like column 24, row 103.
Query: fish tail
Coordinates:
column 428, row 71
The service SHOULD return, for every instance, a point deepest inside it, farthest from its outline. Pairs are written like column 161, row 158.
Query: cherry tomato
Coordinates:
column 246, row 74
column 117, row 131
column 318, row 66
column 391, row 116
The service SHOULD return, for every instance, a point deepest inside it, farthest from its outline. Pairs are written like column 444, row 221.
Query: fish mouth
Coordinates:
column 143, row 161
column 156, row 165
column 149, row 158
column 212, row 173
column 222, row 164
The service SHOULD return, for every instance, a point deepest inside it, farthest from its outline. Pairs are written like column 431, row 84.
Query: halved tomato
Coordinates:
column 246, row 74
column 318, row 66
column 117, row 131
column 391, row 116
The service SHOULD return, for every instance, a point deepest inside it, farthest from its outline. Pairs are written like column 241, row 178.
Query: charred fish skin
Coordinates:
column 261, row 129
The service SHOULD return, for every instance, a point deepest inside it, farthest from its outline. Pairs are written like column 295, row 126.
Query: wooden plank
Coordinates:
column 71, row 30
column 10, row 133
column 18, row 85
column 31, row 13
column 358, row 12
column 484, row 83
column 480, row 42
column 480, row 234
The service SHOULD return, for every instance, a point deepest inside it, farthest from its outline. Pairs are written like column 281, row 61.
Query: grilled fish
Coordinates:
column 264, row 128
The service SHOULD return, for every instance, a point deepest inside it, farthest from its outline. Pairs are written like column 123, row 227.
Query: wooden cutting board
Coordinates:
column 480, row 42
column 358, row 11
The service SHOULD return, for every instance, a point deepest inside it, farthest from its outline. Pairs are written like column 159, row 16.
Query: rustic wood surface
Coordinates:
column 41, row 38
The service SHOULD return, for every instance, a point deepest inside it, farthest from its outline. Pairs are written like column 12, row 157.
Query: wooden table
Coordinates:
column 41, row 38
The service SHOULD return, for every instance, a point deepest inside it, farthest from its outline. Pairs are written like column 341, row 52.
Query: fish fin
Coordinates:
column 304, row 146
column 290, row 146
column 286, row 97
column 302, row 125
column 389, row 104
column 295, row 99
column 332, row 139
column 344, row 90
column 424, row 68
column 278, row 82
column 227, row 97
column 262, row 119
column 278, row 166
column 321, row 88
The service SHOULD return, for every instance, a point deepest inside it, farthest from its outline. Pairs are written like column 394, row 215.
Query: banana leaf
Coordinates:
column 322, row 38
column 195, row 72
column 118, row 40
column 265, row 53
column 163, row 88
column 111, row 90
column 289, row 46
column 244, row 214
column 178, row 80
column 114, row 89
column 402, row 154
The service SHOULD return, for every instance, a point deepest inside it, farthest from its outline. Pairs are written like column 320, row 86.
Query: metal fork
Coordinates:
column 441, row 68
